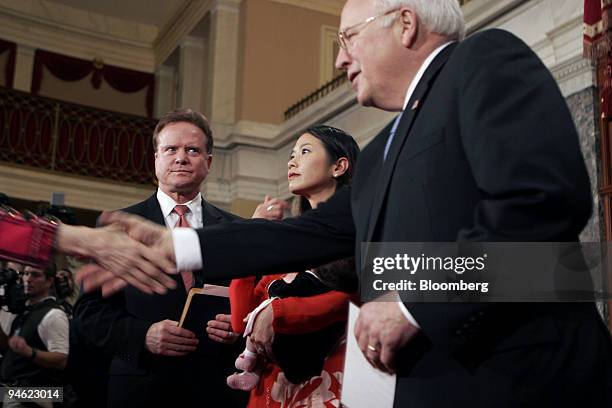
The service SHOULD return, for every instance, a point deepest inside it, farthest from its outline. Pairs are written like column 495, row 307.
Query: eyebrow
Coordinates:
column 302, row 146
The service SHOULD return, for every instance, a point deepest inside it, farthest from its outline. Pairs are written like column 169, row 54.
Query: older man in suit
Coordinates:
column 155, row 361
column 484, row 149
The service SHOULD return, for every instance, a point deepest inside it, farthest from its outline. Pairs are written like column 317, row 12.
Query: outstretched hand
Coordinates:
column 129, row 250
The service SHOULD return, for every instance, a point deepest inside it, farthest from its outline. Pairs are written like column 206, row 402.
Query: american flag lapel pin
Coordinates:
column 415, row 105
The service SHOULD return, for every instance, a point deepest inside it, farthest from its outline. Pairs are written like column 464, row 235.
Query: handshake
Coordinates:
column 128, row 250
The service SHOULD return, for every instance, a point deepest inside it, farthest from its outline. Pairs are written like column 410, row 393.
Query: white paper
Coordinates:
column 363, row 386
column 215, row 290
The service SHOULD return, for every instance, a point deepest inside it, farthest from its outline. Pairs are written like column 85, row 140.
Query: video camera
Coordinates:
column 12, row 294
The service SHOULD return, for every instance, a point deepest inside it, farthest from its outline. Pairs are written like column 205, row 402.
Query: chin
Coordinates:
column 364, row 99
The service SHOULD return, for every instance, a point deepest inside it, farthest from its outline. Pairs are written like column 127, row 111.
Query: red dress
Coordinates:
column 25, row 241
column 293, row 315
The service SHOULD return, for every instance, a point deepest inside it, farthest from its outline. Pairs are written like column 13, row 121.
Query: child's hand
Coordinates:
column 263, row 332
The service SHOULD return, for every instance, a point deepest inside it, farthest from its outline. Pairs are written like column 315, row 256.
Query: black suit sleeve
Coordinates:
column 106, row 324
column 524, row 154
column 260, row 247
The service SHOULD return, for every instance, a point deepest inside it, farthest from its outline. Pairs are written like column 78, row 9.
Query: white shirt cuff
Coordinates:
column 187, row 249
column 408, row 315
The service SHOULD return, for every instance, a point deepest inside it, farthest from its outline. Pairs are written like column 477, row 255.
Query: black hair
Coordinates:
column 337, row 144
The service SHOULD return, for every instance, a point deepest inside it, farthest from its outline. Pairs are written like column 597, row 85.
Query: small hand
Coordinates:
column 262, row 335
column 381, row 330
column 167, row 339
column 19, row 345
column 220, row 329
column 271, row 209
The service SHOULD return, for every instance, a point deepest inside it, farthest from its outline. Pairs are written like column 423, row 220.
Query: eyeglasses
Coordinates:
column 344, row 36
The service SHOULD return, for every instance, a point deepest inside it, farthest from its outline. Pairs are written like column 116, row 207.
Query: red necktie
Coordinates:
column 181, row 210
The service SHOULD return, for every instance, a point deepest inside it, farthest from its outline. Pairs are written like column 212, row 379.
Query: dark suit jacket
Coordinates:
column 490, row 154
column 118, row 325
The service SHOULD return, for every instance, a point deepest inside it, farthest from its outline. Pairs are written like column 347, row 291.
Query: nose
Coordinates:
column 343, row 60
column 181, row 156
column 291, row 164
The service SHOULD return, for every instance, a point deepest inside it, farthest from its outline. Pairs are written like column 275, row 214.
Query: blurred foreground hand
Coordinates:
column 128, row 251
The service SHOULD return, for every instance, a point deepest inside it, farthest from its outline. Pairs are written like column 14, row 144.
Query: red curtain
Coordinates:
column 597, row 28
column 74, row 69
column 9, row 72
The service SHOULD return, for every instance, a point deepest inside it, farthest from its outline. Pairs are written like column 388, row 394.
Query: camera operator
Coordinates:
column 36, row 348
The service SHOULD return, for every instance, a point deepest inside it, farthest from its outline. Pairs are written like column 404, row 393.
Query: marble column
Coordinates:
column 223, row 61
column 191, row 69
column 165, row 90
column 24, row 65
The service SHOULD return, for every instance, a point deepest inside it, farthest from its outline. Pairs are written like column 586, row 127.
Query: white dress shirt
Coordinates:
column 185, row 240
column 192, row 259
column 411, row 88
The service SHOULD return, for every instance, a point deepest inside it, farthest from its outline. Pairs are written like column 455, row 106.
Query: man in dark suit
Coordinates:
column 154, row 361
column 484, row 149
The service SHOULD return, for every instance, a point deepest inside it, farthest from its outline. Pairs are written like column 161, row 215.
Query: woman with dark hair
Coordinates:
column 297, row 321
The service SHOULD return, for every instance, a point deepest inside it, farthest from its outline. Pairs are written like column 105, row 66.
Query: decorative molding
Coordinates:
column 53, row 26
column 333, row 7
column 232, row 6
column 57, row 16
column 22, row 32
column 329, row 40
column 574, row 75
column 179, row 27
column 479, row 13
column 81, row 192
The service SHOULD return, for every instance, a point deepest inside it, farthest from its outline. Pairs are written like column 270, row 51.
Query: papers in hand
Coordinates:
column 363, row 385
column 202, row 305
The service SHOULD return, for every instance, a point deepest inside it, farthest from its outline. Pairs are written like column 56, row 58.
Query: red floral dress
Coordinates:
column 293, row 315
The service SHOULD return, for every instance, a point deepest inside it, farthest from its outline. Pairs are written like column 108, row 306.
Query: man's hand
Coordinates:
column 262, row 335
column 220, row 329
column 131, row 250
column 19, row 345
column 381, row 330
column 271, row 209
column 167, row 339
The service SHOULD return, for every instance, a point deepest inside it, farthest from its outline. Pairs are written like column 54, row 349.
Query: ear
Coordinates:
column 340, row 167
column 409, row 24
column 209, row 161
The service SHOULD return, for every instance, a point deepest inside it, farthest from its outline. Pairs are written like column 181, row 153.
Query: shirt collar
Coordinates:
column 30, row 303
column 421, row 71
column 167, row 204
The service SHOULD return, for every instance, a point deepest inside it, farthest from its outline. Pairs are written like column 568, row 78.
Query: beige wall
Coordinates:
column 82, row 92
column 281, row 52
column 243, row 207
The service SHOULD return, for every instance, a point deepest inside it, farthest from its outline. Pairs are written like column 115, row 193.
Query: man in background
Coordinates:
column 35, row 349
column 154, row 362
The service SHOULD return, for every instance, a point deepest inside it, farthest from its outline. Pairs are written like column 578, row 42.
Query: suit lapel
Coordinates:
column 154, row 212
column 409, row 115
column 210, row 214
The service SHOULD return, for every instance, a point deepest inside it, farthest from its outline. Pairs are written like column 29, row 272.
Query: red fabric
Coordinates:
column 181, row 210
column 293, row 316
column 597, row 30
column 26, row 241
column 9, row 71
column 74, row 69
